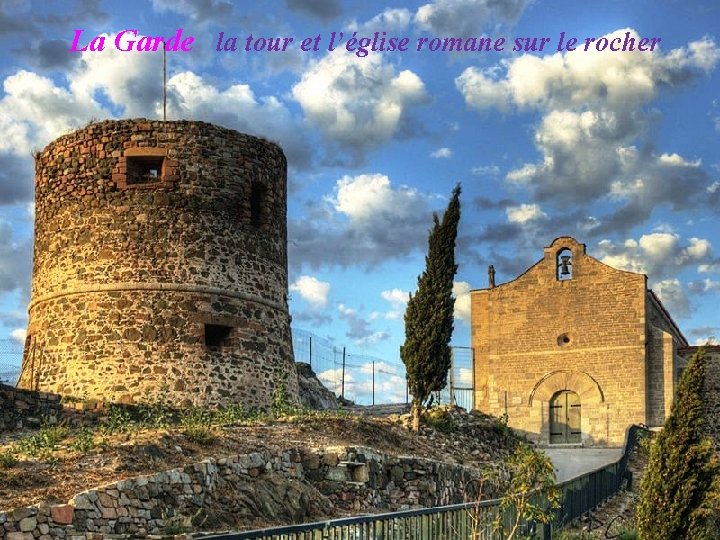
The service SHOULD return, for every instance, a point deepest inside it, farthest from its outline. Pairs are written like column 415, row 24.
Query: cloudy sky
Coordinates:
column 619, row 149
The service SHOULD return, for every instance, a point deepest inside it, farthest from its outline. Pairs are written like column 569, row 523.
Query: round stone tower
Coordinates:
column 160, row 265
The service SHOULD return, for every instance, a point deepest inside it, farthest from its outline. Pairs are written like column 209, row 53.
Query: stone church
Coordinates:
column 573, row 351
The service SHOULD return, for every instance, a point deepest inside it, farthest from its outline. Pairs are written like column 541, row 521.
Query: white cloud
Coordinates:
column 709, row 268
column 485, row 170
column 461, row 291
column 366, row 220
column 358, row 103
column 660, row 255
column 238, row 107
column 524, row 213
column 390, row 20
column 698, row 248
column 370, row 196
column 464, row 377
column 389, row 385
column 706, row 341
column 360, row 330
column 672, row 295
column 705, row 286
column 594, row 114
column 398, row 301
column 463, row 18
column 312, row 290
column 442, row 153
column 131, row 81
column 34, row 111
column 19, row 334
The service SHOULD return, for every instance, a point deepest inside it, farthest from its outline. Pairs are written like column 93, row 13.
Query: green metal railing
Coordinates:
column 456, row 522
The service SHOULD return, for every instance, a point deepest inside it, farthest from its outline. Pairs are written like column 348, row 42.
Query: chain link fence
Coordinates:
column 369, row 380
column 364, row 379
column 11, row 352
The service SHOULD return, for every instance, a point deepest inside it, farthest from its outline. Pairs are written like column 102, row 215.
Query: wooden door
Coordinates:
column 565, row 418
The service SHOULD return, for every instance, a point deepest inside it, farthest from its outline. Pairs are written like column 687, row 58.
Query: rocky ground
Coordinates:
column 35, row 467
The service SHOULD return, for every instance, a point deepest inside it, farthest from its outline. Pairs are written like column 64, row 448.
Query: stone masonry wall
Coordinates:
column 663, row 361
column 537, row 335
column 20, row 408
column 352, row 477
column 173, row 279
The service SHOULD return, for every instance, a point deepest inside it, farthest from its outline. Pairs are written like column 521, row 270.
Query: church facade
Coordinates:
column 574, row 351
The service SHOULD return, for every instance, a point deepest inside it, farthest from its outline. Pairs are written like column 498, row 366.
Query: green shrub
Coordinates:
column 531, row 494
column 441, row 420
column 568, row 535
column 119, row 420
column 44, row 442
column 7, row 459
column 680, row 489
column 196, row 425
column 629, row 534
column 282, row 405
column 159, row 413
column 84, row 440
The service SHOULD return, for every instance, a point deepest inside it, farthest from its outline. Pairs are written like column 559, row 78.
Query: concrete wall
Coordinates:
column 537, row 335
column 128, row 277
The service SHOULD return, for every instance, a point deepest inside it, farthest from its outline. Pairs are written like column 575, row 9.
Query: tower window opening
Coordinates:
column 564, row 265
column 144, row 169
column 257, row 204
column 217, row 335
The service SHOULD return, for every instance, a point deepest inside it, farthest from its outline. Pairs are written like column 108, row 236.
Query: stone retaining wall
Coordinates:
column 351, row 477
column 22, row 408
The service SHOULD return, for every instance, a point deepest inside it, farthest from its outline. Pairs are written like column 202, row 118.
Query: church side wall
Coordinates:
column 663, row 361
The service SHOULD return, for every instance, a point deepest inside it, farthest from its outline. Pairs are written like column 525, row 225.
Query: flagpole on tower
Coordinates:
column 164, row 82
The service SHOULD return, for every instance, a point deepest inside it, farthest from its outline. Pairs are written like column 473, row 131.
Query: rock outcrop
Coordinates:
column 312, row 392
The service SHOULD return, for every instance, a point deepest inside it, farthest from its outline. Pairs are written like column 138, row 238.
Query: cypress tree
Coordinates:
column 679, row 492
column 429, row 314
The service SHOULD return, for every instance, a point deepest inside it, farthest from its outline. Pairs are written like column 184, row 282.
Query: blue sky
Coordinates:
column 619, row 149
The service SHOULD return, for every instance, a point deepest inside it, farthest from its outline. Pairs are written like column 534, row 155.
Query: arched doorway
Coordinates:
column 565, row 415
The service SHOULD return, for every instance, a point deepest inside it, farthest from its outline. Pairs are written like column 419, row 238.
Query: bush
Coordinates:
column 680, row 489
column 196, row 424
column 7, row 459
column 159, row 413
column 628, row 535
column 119, row 420
column 84, row 440
column 281, row 403
column 44, row 442
column 531, row 494
column 567, row 535
column 441, row 420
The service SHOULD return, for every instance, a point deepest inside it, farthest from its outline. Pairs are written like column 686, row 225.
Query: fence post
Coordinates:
column 342, row 387
column 452, row 377
column 373, row 383
column 310, row 359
